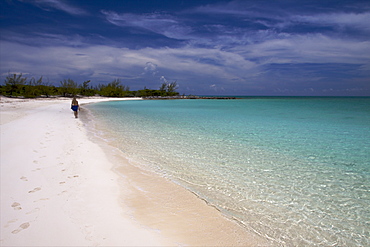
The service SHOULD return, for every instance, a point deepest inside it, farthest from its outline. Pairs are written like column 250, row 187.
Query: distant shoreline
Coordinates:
column 97, row 97
column 188, row 97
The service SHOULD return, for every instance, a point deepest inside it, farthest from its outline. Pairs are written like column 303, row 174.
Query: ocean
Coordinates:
column 295, row 170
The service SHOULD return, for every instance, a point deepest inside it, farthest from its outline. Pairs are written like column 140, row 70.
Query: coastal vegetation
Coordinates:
column 19, row 86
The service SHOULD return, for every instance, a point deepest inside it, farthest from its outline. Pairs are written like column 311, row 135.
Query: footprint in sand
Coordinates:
column 63, row 192
column 35, row 210
column 16, row 206
column 21, row 227
column 24, row 178
column 41, row 199
column 34, row 190
column 10, row 222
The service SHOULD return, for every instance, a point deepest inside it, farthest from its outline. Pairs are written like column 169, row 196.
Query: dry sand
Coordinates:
column 58, row 188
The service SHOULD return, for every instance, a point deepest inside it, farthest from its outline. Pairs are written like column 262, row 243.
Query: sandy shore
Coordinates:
column 59, row 188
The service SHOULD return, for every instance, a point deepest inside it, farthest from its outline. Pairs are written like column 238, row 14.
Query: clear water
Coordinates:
column 294, row 170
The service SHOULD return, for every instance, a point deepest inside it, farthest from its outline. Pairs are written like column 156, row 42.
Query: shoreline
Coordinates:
column 178, row 213
column 58, row 187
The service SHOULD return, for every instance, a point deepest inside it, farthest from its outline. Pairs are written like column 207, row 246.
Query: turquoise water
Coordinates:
column 293, row 170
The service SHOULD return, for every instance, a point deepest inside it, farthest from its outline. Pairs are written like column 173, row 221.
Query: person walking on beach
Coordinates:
column 75, row 107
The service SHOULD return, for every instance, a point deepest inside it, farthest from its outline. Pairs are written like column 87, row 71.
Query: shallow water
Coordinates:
column 294, row 170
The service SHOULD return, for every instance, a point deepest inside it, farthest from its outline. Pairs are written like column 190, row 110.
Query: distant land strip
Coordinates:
column 186, row 97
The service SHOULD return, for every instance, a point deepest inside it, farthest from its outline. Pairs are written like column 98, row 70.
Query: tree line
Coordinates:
column 17, row 85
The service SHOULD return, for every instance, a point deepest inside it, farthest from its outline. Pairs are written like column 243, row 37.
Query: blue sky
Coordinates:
column 290, row 47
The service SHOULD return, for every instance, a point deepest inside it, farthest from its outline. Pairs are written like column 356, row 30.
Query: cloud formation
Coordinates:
column 150, row 68
column 244, row 47
column 57, row 5
column 157, row 23
column 357, row 21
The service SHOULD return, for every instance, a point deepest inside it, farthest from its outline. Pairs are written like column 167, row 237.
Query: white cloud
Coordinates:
column 150, row 68
column 351, row 20
column 229, row 65
column 164, row 79
column 312, row 48
column 59, row 5
column 217, row 89
column 162, row 24
column 235, row 8
column 43, row 39
column 57, row 62
column 236, row 67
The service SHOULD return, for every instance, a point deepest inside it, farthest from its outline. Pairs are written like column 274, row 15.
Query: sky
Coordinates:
column 209, row 47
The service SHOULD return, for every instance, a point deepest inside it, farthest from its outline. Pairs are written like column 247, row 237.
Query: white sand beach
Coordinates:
column 58, row 188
